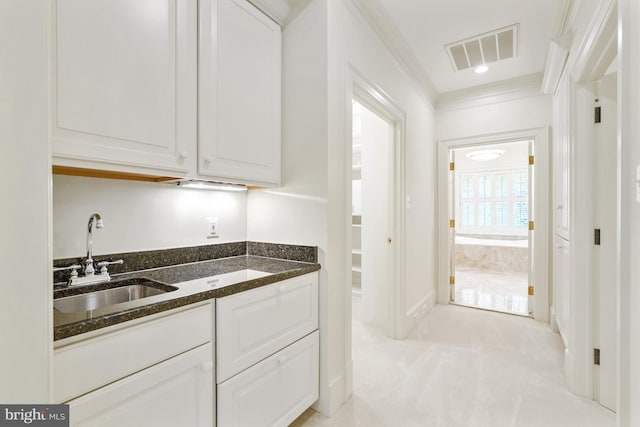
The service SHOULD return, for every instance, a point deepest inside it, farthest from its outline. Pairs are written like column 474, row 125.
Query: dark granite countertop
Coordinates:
column 196, row 281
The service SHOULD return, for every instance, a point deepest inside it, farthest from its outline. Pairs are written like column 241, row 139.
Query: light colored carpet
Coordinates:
column 461, row 368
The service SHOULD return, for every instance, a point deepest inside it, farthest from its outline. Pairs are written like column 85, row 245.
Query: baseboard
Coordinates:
column 336, row 393
column 417, row 312
column 554, row 321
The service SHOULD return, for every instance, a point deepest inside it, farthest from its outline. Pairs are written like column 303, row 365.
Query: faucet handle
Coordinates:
column 74, row 270
column 103, row 265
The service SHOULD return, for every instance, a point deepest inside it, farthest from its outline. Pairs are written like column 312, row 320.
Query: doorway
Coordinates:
column 371, row 196
column 490, row 199
column 538, row 210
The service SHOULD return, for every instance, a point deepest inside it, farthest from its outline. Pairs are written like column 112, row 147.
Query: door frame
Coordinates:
column 590, row 62
column 540, row 273
column 376, row 100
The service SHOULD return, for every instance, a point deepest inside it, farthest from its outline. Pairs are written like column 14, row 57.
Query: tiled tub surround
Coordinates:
column 196, row 280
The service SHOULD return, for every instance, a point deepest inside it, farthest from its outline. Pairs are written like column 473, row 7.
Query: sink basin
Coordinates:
column 99, row 296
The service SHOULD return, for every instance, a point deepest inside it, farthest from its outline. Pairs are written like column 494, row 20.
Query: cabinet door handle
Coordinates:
column 282, row 359
column 183, row 155
column 208, row 160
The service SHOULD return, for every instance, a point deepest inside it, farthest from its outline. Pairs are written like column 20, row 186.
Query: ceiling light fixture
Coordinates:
column 205, row 185
column 481, row 69
column 484, row 155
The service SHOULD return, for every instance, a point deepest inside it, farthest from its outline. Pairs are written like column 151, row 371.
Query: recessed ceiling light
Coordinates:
column 481, row 69
column 484, row 155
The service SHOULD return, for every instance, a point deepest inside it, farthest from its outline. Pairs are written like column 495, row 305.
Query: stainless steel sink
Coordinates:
column 96, row 297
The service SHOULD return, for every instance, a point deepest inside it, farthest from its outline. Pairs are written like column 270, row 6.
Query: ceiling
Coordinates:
column 427, row 26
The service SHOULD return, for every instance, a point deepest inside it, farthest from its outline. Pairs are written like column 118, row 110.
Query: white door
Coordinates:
column 376, row 239
column 605, row 219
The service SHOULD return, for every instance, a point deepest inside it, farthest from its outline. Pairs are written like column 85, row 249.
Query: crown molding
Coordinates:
column 598, row 48
column 502, row 91
column 381, row 22
column 277, row 10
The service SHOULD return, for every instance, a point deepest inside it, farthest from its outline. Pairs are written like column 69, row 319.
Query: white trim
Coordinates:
column 593, row 56
column 337, row 392
column 589, row 62
column 416, row 313
column 276, row 10
column 502, row 91
column 540, row 136
column 557, row 55
column 380, row 21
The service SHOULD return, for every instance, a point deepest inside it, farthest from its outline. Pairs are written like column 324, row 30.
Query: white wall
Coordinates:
column 532, row 110
column 140, row 216
column 629, row 294
column 314, row 198
column 25, row 306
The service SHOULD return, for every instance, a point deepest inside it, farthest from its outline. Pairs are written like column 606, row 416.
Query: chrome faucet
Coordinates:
column 89, row 269
column 90, row 277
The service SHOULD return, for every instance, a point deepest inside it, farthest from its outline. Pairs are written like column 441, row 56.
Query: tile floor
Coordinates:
column 461, row 367
column 492, row 290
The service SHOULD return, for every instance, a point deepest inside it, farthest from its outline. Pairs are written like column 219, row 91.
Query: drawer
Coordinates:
column 84, row 366
column 176, row 392
column 253, row 325
column 273, row 392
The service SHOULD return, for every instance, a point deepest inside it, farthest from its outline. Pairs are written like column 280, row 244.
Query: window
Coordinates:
column 494, row 202
column 502, row 214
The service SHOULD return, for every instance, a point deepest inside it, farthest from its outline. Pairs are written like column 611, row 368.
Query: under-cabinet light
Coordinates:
column 205, row 185
column 484, row 155
column 481, row 69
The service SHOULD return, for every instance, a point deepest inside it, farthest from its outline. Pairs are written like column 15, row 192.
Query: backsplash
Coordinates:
column 140, row 216
column 142, row 260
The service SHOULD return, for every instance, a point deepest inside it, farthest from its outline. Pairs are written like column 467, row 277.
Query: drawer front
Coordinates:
column 255, row 324
column 176, row 392
column 275, row 391
column 87, row 365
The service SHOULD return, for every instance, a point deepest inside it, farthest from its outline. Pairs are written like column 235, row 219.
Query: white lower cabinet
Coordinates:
column 273, row 392
column 157, row 372
column 177, row 392
column 267, row 353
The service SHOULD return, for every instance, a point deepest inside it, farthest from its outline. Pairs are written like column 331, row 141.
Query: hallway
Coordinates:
column 461, row 367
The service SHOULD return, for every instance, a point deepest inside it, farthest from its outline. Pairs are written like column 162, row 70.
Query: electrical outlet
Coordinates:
column 212, row 228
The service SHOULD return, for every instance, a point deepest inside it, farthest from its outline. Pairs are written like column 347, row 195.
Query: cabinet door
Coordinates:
column 275, row 391
column 239, row 93
column 255, row 324
column 125, row 85
column 177, row 392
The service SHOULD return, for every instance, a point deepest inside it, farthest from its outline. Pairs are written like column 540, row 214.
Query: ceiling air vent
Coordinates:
column 485, row 48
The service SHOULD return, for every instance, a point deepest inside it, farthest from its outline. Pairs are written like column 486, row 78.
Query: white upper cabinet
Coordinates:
column 124, row 80
column 127, row 96
column 239, row 93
